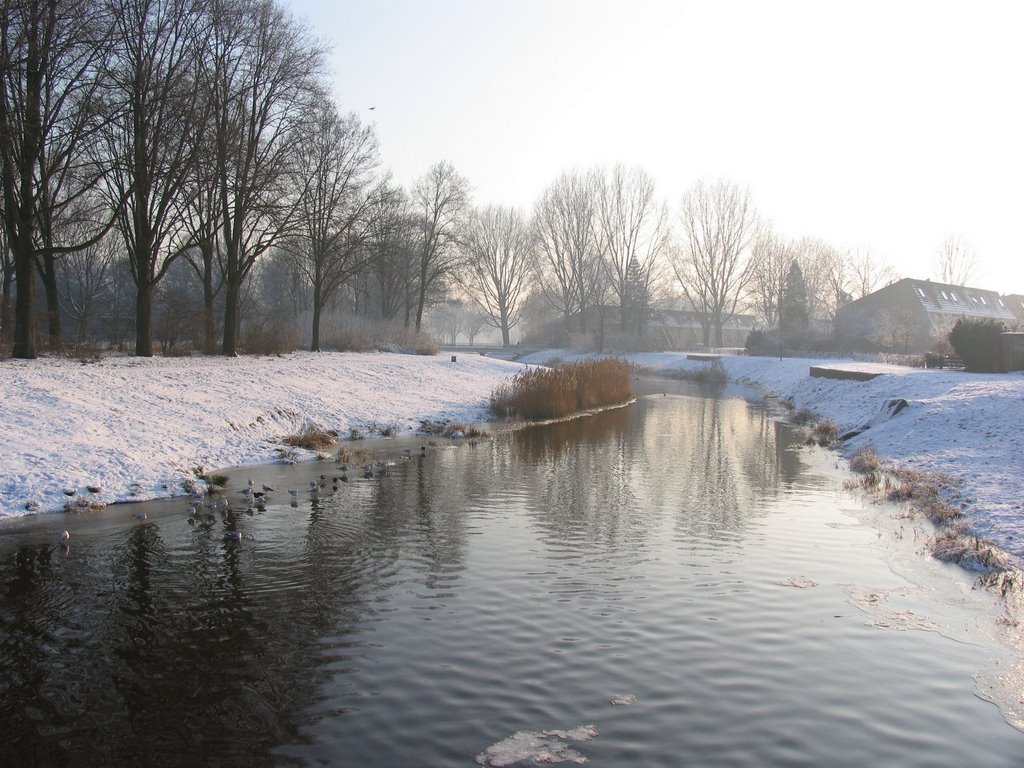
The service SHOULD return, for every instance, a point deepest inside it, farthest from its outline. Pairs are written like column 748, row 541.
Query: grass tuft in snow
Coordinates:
column 824, row 433
column 312, row 438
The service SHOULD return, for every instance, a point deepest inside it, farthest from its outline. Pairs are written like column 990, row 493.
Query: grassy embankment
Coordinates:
column 538, row 394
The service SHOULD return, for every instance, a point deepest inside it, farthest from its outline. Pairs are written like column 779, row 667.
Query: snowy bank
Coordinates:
column 137, row 428
column 969, row 426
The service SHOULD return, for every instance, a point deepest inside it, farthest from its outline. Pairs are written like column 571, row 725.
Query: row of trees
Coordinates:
column 195, row 143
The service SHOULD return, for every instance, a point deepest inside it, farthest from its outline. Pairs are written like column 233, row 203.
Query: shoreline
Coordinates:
column 138, row 429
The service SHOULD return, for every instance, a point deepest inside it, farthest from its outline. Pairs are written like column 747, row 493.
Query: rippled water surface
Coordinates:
column 672, row 574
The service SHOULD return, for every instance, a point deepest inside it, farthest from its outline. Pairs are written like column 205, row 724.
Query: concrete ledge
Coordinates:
column 704, row 356
column 823, row 372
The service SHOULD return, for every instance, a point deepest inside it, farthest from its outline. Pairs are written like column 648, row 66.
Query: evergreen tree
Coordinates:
column 793, row 316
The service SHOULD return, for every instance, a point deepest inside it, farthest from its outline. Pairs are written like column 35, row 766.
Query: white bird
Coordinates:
column 267, row 488
column 65, row 536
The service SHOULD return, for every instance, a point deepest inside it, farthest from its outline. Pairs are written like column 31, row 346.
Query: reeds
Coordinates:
column 551, row 393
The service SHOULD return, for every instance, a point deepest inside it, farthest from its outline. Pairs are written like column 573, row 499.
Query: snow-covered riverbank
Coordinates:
column 137, row 428
column 968, row 426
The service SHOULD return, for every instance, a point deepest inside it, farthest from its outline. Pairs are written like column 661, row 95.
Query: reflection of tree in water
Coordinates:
column 708, row 463
column 580, row 475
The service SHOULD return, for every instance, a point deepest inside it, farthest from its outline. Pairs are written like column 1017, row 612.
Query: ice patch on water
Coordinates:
column 539, row 748
column 800, row 582
column 623, row 701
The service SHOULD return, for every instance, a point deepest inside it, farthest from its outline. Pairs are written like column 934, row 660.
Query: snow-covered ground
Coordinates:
column 137, row 428
column 969, row 426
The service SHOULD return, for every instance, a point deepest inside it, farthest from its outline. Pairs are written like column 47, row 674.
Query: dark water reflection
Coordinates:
column 419, row 617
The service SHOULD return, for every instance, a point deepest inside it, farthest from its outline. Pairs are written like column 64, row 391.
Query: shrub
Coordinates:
column 978, row 343
column 551, row 393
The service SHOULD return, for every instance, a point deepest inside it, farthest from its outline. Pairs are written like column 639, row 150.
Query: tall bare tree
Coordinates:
column 440, row 202
column 771, row 257
column 500, row 262
column 264, row 76
column 51, row 52
column 867, row 273
column 633, row 231
column 957, row 263
column 337, row 156
column 391, row 251
column 151, row 134
column 85, row 283
column 566, row 228
column 719, row 225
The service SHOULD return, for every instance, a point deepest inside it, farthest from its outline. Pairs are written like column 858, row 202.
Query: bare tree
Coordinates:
column 263, row 77
column 85, row 283
column 337, row 158
column 440, row 200
column 566, row 225
column 957, row 263
column 390, row 248
column 151, row 134
column 815, row 257
column 719, row 224
column 867, row 274
column 50, row 57
column 500, row 262
column 771, row 257
column 633, row 230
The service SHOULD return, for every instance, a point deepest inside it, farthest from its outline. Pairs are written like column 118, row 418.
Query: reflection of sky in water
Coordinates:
column 670, row 573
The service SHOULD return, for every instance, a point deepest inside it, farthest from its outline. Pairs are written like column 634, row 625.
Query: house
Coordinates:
column 910, row 316
column 1015, row 303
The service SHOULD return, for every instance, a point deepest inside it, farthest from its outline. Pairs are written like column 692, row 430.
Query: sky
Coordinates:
column 877, row 126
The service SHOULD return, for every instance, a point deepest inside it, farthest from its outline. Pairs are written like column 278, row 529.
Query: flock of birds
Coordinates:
column 205, row 513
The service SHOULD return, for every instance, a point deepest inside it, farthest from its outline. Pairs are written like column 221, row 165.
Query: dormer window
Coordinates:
column 982, row 300
column 944, row 295
column 920, row 293
column 955, row 297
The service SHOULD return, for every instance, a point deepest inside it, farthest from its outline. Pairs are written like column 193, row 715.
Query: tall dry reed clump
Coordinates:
column 552, row 393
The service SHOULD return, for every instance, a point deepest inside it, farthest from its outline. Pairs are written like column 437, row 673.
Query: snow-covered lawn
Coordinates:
column 137, row 428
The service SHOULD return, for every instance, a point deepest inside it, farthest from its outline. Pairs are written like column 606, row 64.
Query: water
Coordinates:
column 674, row 574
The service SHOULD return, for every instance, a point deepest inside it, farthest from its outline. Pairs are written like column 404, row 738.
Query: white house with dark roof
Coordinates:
column 909, row 315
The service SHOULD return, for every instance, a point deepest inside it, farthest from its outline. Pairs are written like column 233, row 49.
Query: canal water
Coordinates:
column 674, row 583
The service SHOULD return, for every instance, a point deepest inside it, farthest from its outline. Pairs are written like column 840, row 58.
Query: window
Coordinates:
column 944, row 295
column 982, row 300
column 920, row 293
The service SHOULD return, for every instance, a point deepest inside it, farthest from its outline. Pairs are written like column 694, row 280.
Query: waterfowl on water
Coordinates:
column 234, row 536
column 65, row 536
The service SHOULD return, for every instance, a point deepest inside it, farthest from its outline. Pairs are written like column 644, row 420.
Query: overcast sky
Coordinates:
column 885, row 126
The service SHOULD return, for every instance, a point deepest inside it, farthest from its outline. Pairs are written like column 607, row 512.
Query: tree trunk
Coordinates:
column 232, row 288
column 48, row 272
column 24, row 317
column 314, row 345
column 209, row 329
column 144, row 320
column 5, row 305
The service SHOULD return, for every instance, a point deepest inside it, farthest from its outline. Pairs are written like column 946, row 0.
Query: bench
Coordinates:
column 934, row 360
